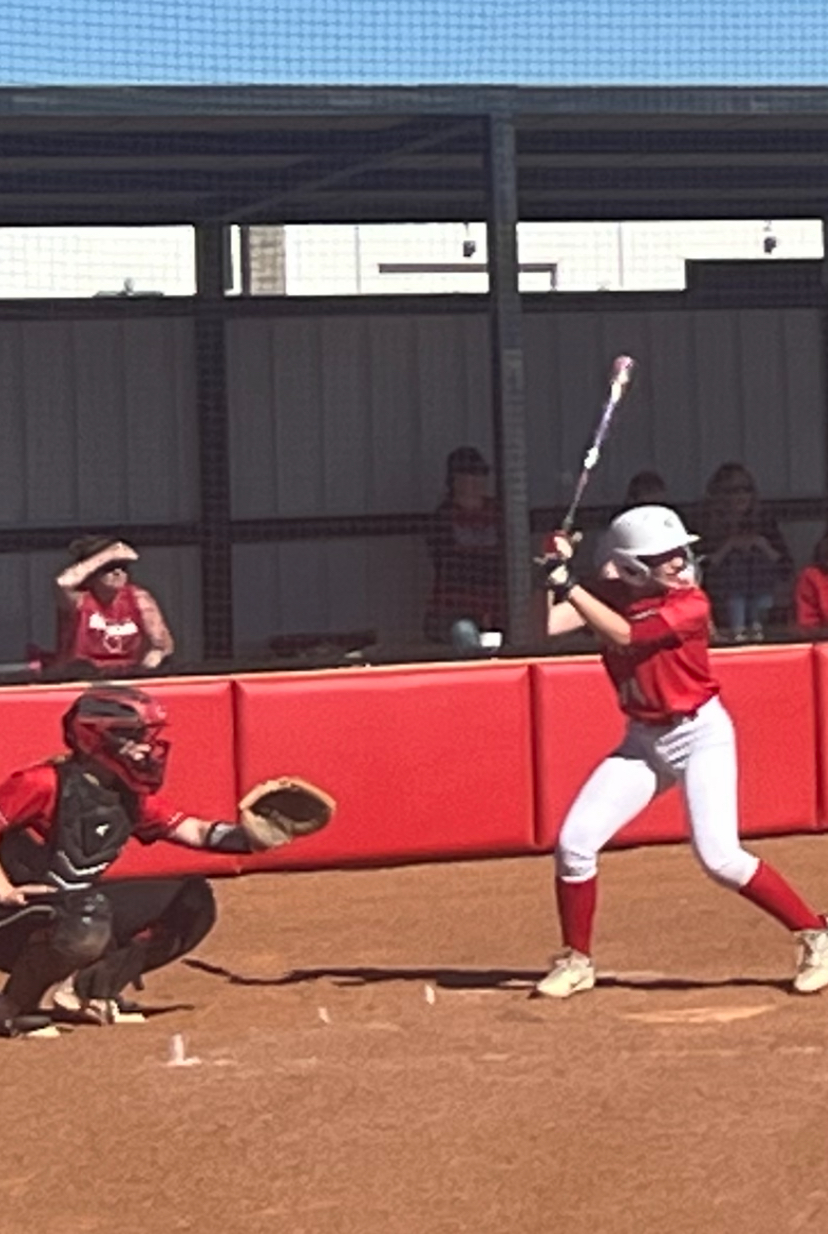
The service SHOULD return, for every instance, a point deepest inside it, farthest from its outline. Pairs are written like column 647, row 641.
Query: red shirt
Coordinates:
column 665, row 671
column 109, row 635
column 28, row 799
column 811, row 598
column 464, row 546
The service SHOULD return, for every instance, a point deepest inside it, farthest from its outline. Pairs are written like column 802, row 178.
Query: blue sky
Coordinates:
column 541, row 42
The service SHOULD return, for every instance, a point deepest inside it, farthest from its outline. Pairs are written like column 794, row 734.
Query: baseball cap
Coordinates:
column 89, row 546
column 466, row 461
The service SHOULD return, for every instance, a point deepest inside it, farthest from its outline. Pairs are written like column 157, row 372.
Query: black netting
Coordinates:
column 314, row 306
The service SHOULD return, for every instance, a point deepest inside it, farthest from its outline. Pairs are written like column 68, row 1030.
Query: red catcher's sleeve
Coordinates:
column 27, row 798
column 156, row 819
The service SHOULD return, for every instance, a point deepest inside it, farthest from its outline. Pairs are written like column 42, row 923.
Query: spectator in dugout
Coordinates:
column 811, row 590
column 464, row 542
column 646, row 488
column 745, row 560
column 107, row 625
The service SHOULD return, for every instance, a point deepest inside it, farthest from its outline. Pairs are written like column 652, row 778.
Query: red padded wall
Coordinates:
column 436, row 761
column 425, row 762
column 30, row 724
column 820, row 654
column 576, row 723
column 768, row 691
column 201, row 772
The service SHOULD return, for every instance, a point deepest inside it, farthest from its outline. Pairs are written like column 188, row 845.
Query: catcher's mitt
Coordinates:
column 278, row 811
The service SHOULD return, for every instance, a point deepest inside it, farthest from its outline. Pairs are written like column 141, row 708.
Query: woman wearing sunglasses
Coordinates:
column 107, row 623
column 653, row 623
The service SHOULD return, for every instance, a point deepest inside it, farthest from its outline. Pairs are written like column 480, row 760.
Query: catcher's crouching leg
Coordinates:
column 155, row 923
column 79, row 930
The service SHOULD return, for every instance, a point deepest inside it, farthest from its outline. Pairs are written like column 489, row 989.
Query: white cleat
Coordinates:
column 812, row 968
column 571, row 973
column 68, row 1008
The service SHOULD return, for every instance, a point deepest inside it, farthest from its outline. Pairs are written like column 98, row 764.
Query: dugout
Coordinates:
column 276, row 457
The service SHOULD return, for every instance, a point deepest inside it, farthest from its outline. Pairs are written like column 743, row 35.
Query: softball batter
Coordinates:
column 653, row 621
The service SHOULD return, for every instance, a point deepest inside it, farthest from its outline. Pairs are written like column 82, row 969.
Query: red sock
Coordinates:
column 770, row 891
column 576, row 909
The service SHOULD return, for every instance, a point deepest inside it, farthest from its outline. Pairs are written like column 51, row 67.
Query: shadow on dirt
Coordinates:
column 480, row 979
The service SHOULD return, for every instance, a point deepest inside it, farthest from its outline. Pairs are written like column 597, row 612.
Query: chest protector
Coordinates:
column 91, row 826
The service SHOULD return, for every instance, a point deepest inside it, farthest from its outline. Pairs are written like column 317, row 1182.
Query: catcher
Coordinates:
column 64, row 821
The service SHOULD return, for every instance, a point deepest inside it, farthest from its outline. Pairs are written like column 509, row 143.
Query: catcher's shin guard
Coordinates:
column 37, row 967
column 82, row 928
column 79, row 932
column 188, row 918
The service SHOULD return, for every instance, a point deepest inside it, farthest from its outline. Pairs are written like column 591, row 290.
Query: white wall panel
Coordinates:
column 349, row 415
column 329, row 586
column 99, row 422
column 711, row 386
column 352, row 415
column 27, row 610
column 173, row 575
column 355, row 415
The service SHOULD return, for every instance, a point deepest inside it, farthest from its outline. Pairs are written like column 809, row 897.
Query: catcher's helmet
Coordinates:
column 119, row 728
column 642, row 533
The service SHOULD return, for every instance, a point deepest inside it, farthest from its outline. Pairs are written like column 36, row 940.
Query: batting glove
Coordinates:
column 559, row 577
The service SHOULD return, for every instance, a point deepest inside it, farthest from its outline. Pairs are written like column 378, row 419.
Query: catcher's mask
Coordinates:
column 119, row 727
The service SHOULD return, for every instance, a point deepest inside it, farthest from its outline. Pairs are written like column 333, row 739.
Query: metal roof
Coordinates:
column 152, row 154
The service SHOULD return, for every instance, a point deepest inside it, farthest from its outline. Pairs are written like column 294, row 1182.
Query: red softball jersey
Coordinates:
column 665, row 671
column 109, row 635
column 28, row 798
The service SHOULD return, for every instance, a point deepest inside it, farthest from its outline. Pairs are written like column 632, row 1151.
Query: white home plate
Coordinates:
column 699, row 1015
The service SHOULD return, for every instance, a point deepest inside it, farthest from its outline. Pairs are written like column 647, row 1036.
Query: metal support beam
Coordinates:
column 508, row 395
column 213, row 417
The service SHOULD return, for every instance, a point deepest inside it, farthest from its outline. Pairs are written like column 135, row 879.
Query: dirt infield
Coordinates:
column 370, row 1063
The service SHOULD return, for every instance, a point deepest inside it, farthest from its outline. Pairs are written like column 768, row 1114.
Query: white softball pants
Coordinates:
column 699, row 755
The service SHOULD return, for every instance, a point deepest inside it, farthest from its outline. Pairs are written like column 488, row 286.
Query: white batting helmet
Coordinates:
column 644, row 531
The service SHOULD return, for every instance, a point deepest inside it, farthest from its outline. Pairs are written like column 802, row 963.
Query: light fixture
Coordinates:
column 469, row 245
column 769, row 241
